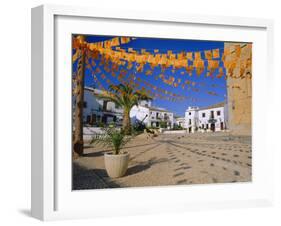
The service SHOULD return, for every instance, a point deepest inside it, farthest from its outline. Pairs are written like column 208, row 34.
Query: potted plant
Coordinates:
column 116, row 161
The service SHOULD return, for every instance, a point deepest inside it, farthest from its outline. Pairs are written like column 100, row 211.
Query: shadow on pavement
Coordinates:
column 142, row 166
column 83, row 178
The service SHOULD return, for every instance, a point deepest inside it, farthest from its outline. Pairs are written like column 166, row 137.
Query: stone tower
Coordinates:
column 239, row 92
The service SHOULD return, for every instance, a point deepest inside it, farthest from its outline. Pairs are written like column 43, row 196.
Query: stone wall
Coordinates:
column 239, row 93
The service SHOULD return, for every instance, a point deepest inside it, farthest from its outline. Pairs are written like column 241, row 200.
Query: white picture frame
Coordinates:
column 51, row 197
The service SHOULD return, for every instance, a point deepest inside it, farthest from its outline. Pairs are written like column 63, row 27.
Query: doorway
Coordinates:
column 213, row 127
column 222, row 127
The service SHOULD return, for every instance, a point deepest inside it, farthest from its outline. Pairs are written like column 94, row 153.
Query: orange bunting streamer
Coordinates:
column 197, row 55
column 216, row 53
column 199, row 66
column 189, row 56
column 220, row 74
column 125, row 40
column 213, row 64
column 208, row 54
column 212, row 93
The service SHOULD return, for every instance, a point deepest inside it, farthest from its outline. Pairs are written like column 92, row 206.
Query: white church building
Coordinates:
column 207, row 119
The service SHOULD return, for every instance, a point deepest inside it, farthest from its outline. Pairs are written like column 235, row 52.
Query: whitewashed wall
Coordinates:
column 194, row 118
column 205, row 120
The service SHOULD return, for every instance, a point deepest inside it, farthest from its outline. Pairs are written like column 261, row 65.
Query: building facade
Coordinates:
column 179, row 122
column 192, row 119
column 152, row 116
column 98, row 111
column 211, row 118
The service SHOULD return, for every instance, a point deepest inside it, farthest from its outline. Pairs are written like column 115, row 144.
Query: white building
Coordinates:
column 180, row 121
column 97, row 110
column 211, row 118
column 152, row 116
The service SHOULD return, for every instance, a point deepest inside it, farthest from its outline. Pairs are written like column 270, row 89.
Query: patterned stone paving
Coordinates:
column 171, row 160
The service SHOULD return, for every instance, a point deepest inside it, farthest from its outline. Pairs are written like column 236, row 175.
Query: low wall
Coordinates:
column 90, row 132
column 174, row 131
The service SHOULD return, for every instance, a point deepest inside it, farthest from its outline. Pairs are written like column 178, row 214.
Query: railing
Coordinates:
column 98, row 135
column 166, row 118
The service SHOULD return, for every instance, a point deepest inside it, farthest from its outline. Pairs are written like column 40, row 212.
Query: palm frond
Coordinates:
column 113, row 139
column 110, row 97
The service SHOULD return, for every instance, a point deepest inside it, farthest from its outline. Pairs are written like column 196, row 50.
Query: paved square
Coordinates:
column 180, row 159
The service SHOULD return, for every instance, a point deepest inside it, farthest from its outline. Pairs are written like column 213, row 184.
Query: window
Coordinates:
column 104, row 105
column 85, row 104
column 189, row 113
column 157, row 115
column 189, row 121
column 88, row 119
column 218, row 113
column 203, row 115
column 94, row 118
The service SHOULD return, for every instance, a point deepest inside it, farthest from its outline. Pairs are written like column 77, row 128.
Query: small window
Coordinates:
column 218, row 113
column 189, row 113
column 189, row 121
column 203, row 115
column 85, row 104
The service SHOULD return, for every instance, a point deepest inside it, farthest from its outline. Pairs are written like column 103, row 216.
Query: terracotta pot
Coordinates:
column 116, row 165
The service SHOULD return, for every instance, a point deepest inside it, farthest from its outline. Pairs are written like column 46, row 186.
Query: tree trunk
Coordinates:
column 127, row 122
column 78, row 120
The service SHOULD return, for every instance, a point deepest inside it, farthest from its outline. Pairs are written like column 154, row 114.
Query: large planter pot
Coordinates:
column 116, row 165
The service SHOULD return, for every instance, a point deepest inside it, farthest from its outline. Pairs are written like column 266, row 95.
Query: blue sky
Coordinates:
column 203, row 83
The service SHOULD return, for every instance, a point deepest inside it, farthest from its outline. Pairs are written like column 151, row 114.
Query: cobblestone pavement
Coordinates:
column 171, row 160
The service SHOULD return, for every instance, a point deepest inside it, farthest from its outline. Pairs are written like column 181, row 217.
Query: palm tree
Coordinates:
column 125, row 96
column 78, row 120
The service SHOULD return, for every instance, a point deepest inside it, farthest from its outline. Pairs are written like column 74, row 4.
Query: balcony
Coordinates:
column 212, row 120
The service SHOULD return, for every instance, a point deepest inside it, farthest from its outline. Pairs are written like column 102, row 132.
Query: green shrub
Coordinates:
column 113, row 138
column 100, row 124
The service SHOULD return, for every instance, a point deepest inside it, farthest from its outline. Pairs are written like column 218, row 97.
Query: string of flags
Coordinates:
column 189, row 61
column 116, row 41
column 151, row 89
column 117, row 61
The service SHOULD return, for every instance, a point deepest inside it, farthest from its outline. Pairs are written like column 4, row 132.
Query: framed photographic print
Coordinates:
column 144, row 113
